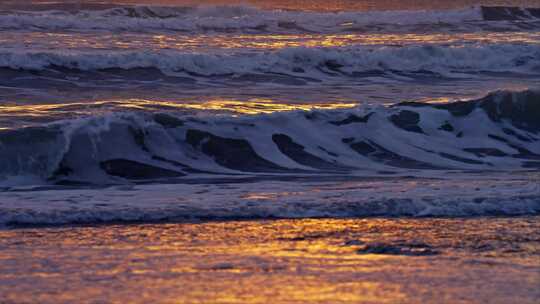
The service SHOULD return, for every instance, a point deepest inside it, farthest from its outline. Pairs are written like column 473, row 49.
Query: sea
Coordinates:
column 241, row 151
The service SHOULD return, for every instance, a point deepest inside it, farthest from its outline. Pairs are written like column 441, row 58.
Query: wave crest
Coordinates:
column 355, row 61
column 498, row 132
column 245, row 18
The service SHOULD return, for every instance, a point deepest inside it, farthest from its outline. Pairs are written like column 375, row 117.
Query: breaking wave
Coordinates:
column 245, row 18
column 498, row 132
column 302, row 63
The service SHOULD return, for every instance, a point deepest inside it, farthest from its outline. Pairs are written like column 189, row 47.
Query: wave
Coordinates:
column 246, row 18
column 498, row 132
column 300, row 63
column 418, row 197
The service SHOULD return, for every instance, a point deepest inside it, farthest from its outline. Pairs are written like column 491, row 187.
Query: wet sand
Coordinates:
column 475, row 260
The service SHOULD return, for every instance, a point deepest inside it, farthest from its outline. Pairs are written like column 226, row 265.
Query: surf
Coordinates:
column 500, row 132
column 246, row 18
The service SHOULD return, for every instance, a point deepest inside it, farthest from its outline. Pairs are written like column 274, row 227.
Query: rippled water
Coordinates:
column 102, row 93
column 188, row 128
column 481, row 260
column 66, row 54
column 320, row 5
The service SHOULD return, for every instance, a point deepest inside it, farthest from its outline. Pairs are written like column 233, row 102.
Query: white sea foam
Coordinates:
column 496, row 133
column 473, row 195
column 312, row 62
column 223, row 18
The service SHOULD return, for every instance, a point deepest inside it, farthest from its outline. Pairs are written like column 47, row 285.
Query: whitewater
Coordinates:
column 270, row 151
column 321, row 111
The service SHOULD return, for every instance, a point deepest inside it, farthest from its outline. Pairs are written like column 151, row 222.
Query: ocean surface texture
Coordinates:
column 301, row 151
column 101, row 94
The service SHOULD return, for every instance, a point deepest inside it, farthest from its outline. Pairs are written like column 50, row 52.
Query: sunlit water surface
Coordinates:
column 257, row 73
column 483, row 260
column 480, row 260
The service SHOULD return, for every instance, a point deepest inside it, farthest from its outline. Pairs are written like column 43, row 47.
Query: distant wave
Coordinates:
column 246, row 18
column 498, row 132
column 301, row 63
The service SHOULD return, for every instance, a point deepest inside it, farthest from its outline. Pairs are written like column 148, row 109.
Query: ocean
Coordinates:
column 126, row 117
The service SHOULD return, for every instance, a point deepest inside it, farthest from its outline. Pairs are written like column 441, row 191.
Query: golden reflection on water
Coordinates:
column 262, row 41
column 251, row 106
column 285, row 261
column 258, row 106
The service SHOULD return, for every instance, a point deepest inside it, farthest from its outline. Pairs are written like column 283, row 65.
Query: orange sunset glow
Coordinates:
column 269, row 151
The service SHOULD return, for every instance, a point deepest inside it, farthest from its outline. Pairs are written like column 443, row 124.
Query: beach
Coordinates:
column 381, row 260
column 269, row 151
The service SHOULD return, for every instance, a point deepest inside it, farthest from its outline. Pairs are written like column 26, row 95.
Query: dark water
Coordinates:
column 341, row 113
column 329, row 5
column 94, row 94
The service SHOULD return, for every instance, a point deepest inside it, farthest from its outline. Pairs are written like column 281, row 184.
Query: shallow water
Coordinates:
column 480, row 260
column 184, row 118
column 464, row 194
